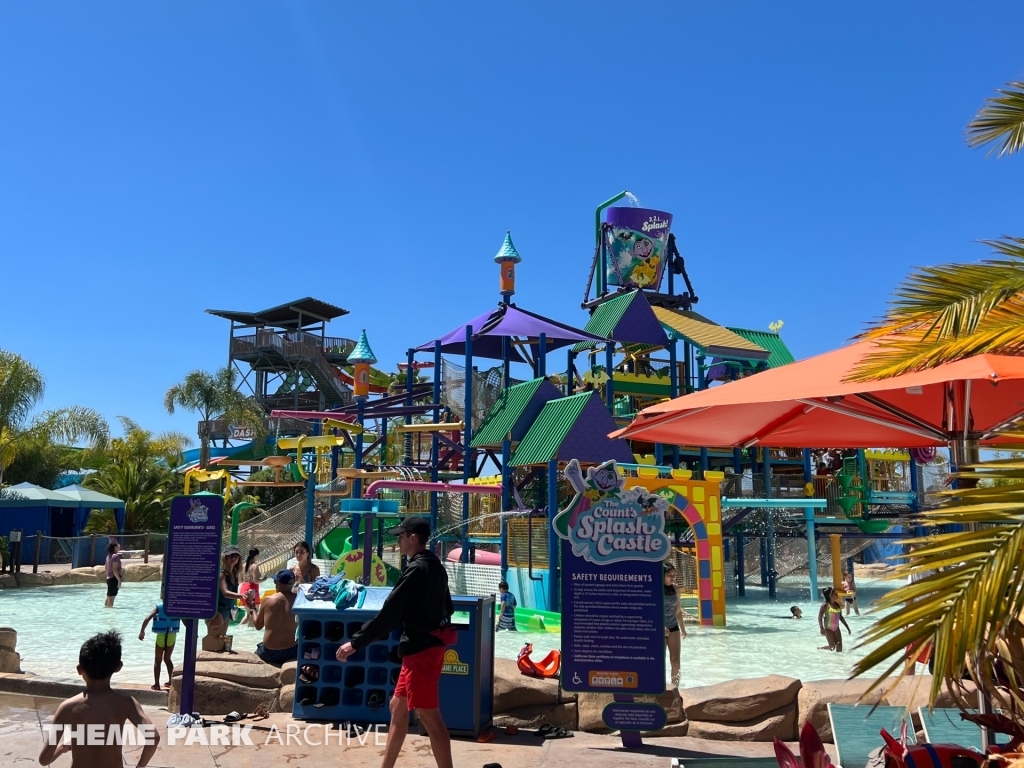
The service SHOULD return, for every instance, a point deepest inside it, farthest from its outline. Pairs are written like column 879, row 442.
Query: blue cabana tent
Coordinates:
column 59, row 514
column 88, row 500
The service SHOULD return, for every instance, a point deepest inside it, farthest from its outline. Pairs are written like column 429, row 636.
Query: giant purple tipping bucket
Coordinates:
column 635, row 241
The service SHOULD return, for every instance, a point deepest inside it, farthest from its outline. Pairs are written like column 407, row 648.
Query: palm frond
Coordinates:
column 72, row 424
column 1001, row 334
column 951, row 311
column 21, row 387
column 968, row 583
column 952, row 299
column 1000, row 121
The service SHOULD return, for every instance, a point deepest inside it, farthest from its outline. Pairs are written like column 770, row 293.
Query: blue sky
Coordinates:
column 159, row 159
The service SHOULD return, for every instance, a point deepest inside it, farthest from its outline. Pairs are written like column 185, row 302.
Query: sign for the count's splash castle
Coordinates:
column 606, row 523
column 613, row 544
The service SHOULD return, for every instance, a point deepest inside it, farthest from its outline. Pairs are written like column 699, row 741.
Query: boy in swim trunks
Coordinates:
column 99, row 705
column 166, row 631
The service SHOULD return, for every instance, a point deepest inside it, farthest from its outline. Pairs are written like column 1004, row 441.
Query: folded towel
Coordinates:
column 321, row 588
column 346, row 593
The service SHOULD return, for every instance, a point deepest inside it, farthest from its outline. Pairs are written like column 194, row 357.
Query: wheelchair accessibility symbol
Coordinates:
column 576, row 678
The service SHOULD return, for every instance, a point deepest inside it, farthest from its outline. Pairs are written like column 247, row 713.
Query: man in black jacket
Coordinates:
column 422, row 604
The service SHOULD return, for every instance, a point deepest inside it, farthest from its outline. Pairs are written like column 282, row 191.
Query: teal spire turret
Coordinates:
column 362, row 352
column 507, row 259
column 508, row 251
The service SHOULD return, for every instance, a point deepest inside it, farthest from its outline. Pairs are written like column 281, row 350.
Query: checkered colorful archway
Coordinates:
column 699, row 503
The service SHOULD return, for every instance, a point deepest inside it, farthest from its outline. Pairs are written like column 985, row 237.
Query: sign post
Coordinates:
column 613, row 623
column 192, row 573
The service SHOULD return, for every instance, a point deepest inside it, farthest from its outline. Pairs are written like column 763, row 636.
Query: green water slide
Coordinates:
column 530, row 620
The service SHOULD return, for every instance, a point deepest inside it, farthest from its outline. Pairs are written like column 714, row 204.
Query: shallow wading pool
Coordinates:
column 53, row 622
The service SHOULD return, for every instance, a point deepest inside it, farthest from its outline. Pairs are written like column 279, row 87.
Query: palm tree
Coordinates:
column 146, row 489
column 140, row 446
column 21, row 388
column 967, row 596
column 213, row 396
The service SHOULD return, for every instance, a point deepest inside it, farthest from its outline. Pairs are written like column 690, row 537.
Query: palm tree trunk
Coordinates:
column 204, row 444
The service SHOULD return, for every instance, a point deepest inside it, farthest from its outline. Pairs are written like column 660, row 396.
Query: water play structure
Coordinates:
column 484, row 454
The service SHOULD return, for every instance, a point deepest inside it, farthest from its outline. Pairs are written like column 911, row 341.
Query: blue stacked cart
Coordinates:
column 359, row 690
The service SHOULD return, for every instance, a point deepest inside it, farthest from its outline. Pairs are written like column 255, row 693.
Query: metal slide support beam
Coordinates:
column 553, row 546
column 916, row 505
column 741, row 584
column 837, row 561
column 310, row 490
column 409, row 375
column 467, row 439
column 766, row 462
column 357, row 485
column 673, row 380
column 763, row 555
column 609, row 387
column 435, row 441
column 506, row 501
column 812, row 553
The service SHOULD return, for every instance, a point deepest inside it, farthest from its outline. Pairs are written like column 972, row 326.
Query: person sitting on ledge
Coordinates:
column 278, row 622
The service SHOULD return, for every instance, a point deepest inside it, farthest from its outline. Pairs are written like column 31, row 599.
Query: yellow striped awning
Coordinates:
column 711, row 337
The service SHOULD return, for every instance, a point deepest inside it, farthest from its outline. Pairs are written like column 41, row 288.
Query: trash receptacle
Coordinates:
column 359, row 690
column 467, row 677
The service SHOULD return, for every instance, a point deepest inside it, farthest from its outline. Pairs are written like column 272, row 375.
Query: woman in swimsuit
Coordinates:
column 829, row 616
column 674, row 629
column 230, row 576
column 305, row 571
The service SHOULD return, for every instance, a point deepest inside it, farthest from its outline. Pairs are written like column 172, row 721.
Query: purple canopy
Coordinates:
column 509, row 320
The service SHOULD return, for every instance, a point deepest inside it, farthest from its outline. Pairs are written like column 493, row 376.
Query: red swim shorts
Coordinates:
column 923, row 648
column 421, row 672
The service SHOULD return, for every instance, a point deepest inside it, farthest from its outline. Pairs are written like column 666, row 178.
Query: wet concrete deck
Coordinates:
column 22, row 719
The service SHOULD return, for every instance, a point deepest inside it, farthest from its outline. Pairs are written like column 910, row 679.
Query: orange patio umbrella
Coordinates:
column 809, row 404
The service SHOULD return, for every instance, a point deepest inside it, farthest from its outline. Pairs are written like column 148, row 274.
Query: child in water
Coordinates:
column 850, row 588
column 507, row 611
column 829, row 616
column 165, row 630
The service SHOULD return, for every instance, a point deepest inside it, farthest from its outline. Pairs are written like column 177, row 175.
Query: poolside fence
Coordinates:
column 54, row 554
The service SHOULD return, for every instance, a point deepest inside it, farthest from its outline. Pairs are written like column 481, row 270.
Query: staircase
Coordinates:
column 303, row 350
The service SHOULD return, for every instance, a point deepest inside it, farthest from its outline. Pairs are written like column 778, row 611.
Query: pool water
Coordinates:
column 760, row 638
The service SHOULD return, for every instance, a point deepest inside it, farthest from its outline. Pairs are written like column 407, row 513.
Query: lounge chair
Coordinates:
column 856, row 730
column 944, row 726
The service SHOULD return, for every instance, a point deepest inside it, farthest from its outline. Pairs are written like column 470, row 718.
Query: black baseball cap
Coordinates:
column 418, row 525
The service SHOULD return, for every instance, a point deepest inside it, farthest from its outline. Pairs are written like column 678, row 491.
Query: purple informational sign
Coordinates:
column 192, row 557
column 613, row 625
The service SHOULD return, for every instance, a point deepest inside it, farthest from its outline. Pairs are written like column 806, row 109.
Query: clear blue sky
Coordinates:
column 159, row 159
